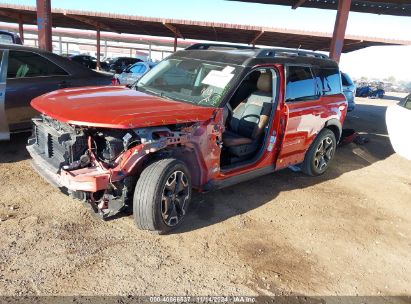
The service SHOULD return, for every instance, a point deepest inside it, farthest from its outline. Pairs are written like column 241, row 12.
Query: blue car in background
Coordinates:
column 349, row 90
column 372, row 90
column 134, row 72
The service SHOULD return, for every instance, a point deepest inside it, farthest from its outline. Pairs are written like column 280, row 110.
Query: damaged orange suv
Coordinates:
column 200, row 120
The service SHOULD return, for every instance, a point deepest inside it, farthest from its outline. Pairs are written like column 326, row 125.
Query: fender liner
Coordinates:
column 335, row 123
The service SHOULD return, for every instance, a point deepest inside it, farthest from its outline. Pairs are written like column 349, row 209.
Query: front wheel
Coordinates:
column 162, row 195
column 320, row 154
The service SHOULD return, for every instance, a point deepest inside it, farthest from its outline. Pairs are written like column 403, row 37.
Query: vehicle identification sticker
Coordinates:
column 218, row 79
column 228, row 69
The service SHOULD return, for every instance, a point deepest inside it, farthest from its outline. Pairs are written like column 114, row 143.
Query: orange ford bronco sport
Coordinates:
column 201, row 119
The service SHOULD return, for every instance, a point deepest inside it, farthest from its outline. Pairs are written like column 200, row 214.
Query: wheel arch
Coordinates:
column 184, row 155
column 335, row 126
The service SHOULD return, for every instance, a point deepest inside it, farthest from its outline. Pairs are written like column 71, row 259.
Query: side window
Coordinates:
column 329, row 80
column 6, row 38
column 300, row 84
column 407, row 103
column 143, row 68
column 2, row 78
column 136, row 69
column 28, row 64
column 346, row 80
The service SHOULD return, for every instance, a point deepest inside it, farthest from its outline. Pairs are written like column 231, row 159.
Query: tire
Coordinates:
column 162, row 195
column 320, row 154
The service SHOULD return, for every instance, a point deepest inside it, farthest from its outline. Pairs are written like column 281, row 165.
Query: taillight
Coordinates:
column 115, row 81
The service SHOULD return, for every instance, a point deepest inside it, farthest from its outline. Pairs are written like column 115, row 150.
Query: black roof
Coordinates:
column 253, row 57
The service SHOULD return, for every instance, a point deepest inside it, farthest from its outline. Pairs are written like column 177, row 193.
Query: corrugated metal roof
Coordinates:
column 380, row 7
column 223, row 32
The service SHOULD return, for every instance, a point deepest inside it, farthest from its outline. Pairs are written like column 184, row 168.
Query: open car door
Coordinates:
column 398, row 119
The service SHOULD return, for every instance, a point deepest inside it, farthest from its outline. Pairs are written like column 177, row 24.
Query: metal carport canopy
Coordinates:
column 380, row 7
column 187, row 29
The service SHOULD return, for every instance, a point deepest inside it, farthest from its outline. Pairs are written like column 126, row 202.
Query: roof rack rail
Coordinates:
column 214, row 46
column 278, row 52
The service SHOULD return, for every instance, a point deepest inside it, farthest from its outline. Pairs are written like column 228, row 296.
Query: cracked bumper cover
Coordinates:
column 86, row 179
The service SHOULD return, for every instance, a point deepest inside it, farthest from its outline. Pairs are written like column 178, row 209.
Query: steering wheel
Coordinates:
column 252, row 115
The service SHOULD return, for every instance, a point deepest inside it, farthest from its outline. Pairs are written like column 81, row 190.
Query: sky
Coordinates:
column 378, row 62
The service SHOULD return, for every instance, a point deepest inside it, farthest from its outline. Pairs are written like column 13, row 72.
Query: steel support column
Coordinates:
column 98, row 67
column 21, row 29
column 337, row 42
column 60, row 45
column 44, row 23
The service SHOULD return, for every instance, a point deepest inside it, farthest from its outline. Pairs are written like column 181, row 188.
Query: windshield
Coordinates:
column 190, row 80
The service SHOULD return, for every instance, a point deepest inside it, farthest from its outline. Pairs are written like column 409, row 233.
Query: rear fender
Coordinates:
column 335, row 125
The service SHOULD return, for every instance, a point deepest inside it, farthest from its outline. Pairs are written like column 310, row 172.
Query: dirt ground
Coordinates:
column 345, row 233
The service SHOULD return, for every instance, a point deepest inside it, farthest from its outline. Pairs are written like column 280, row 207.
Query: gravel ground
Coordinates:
column 347, row 232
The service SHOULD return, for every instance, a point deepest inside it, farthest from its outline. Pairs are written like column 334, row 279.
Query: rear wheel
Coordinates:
column 320, row 154
column 162, row 195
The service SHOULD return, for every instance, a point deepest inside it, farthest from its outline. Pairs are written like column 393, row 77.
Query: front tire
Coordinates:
column 320, row 154
column 162, row 195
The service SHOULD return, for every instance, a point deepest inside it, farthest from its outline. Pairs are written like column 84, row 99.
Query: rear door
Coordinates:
column 29, row 75
column 302, row 110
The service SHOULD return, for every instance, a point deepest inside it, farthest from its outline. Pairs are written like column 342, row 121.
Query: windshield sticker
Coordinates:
column 217, row 79
column 228, row 69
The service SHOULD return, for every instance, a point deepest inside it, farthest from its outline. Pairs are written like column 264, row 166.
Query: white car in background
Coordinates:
column 134, row 72
column 398, row 119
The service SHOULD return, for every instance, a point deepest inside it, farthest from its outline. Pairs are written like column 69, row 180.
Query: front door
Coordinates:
column 29, row 75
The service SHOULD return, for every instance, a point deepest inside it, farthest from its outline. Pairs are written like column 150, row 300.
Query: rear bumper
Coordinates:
column 86, row 179
column 351, row 106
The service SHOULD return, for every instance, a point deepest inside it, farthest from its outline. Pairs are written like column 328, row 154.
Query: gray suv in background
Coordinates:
column 349, row 90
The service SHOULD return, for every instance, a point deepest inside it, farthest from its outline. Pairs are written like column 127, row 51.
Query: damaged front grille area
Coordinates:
column 59, row 144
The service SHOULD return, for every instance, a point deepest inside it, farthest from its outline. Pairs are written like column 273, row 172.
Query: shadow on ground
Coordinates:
column 214, row 207
column 15, row 149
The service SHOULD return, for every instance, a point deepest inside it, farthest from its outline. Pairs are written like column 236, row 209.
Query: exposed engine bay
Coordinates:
column 108, row 157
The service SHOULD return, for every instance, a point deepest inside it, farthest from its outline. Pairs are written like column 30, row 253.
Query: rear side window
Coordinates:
column 2, row 78
column 328, row 80
column 27, row 64
column 407, row 103
column 6, row 38
column 346, row 80
column 300, row 84
column 138, row 68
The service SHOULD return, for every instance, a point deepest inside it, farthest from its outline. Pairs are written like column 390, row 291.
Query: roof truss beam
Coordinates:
column 298, row 4
column 15, row 16
column 258, row 36
column 173, row 29
column 96, row 24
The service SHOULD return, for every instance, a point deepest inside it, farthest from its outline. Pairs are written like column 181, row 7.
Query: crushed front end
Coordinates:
column 97, row 165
